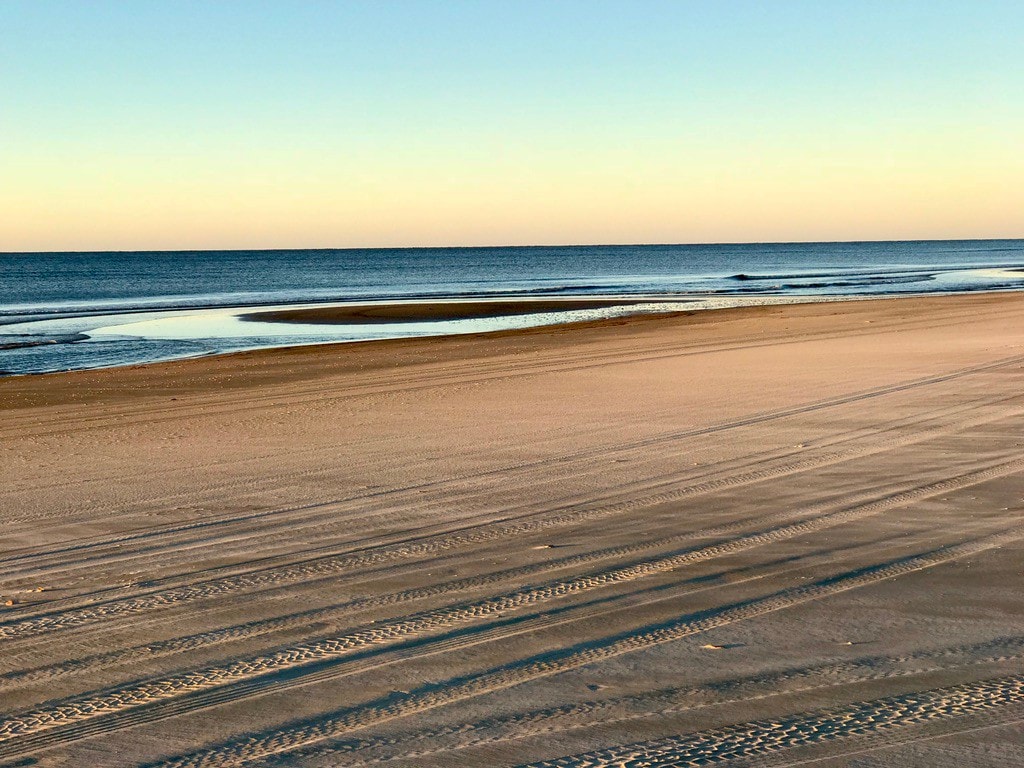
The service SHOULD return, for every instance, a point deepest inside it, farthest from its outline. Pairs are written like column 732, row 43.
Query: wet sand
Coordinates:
column 417, row 312
column 774, row 535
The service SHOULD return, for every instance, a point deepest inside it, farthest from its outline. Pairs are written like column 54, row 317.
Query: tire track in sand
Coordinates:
column 761, row 738
column 668, row 701
column 330, row 565
column 333, row 725
column 173, row 539
column 181, row 644
column 410, row 627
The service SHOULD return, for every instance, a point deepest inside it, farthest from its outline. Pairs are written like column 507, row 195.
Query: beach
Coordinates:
column 776, row 534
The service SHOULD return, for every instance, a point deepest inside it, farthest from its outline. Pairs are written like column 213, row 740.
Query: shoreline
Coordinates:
column 157, row 336
column 273, row 365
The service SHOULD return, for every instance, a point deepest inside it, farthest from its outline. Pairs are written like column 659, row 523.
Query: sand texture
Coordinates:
column 771, row 536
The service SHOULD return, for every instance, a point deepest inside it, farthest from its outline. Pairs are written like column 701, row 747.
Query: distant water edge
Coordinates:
column 63, row 311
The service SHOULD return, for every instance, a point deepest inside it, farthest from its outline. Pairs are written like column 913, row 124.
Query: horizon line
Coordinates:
column 532, row 245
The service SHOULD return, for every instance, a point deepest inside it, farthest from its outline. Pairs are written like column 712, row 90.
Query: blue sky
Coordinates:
column 146, row 124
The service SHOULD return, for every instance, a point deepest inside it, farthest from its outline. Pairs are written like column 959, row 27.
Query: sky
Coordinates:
column 164, row 125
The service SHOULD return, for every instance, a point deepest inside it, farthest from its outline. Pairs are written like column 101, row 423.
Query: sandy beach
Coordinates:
column 777, row 535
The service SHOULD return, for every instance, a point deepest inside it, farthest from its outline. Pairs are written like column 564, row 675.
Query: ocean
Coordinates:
column 67, row 311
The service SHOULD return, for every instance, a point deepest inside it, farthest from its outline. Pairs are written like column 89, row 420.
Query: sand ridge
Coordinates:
column 421, row 311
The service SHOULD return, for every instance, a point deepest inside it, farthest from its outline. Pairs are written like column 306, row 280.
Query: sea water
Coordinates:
column 65, row 311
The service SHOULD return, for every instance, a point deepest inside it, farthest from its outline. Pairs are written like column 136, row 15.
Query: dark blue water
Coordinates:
column 50, row 302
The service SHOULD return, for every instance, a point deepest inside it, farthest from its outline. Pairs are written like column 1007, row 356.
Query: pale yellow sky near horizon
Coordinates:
column 609, row 198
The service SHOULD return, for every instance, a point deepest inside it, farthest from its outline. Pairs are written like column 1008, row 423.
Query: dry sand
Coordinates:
column 783, row 535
